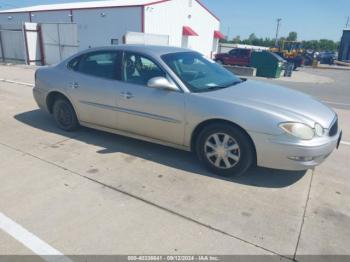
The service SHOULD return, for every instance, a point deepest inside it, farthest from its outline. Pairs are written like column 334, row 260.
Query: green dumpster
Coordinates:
column 267, row 64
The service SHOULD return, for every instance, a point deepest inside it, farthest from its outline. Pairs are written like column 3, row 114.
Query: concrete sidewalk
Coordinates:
column 18, row 73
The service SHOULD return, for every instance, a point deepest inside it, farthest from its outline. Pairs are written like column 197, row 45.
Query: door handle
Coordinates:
column 126, row 95
column 74, row 84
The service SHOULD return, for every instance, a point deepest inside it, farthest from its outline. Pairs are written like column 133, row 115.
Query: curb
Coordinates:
column 333, row 68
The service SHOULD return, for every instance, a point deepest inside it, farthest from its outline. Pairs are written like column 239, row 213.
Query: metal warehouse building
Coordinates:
column 186, row 23
column 344, row 51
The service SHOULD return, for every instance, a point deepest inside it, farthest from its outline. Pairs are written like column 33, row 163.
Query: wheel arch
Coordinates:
column 52, row 97
column 198, row 129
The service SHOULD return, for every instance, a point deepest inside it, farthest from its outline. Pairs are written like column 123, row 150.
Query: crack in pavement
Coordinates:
column 149, row 202
column 304, row 213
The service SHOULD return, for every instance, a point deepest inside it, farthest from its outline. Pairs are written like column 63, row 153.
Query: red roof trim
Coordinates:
column 73, row 9
column 186, row 30
column 206, row 8
column 102, row 7
column 86, row 8
column 218, row 35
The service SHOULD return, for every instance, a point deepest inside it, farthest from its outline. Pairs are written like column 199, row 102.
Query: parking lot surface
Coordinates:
column 91, row 192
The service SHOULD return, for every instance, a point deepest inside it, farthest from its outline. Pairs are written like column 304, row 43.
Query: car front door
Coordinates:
column 93, row 87
column 150, row 112
column 246, row 57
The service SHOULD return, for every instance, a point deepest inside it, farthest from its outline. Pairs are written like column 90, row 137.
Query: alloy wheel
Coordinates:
column 222, row 150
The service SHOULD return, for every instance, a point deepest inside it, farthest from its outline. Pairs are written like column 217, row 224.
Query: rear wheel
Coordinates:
column 225, row 150
column 64, row 115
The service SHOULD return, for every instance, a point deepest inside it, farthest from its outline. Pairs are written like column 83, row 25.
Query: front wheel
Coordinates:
column 225, row 149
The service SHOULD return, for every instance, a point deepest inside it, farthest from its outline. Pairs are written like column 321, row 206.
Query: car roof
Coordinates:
column 146, row 49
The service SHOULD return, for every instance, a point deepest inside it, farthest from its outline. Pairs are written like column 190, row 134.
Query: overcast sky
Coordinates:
column 312, row 19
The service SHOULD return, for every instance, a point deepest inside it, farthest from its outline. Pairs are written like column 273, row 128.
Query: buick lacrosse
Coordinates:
column 179, row 98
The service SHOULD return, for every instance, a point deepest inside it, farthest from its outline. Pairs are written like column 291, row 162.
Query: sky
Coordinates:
column 311, row 19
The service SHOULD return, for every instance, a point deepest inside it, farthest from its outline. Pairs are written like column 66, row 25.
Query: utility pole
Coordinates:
column 347, row 22
column 277, row 30
column 228, row 32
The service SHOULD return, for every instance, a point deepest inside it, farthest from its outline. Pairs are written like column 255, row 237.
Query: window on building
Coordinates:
column 138, row 69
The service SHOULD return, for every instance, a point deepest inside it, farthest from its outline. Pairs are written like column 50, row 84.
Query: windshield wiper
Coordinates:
column 212, row 88
column 231, row 84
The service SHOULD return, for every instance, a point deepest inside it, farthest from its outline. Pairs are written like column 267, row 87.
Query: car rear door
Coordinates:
column 150, row 112
column 232, row 57
column 93, row 87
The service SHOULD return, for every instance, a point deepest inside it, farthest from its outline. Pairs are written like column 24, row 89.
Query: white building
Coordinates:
column 187, row 23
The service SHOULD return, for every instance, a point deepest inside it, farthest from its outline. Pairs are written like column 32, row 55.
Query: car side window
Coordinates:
column 138, row 69
column 233, row 52
column 74, row 63
column 102, row 64
column 245, row 53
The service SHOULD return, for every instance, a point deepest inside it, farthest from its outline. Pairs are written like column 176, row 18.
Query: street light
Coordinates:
column 277, row 30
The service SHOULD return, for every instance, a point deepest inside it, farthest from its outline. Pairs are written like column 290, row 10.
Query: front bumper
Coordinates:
column 279, row 152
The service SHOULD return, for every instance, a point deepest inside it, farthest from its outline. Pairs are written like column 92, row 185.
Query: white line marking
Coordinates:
column 345, row 143
column 335, row 103
column 31, row 241
column 16, row 82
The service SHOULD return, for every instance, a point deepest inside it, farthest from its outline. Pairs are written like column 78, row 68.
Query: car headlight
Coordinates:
column 319, row 130
column 298, row 130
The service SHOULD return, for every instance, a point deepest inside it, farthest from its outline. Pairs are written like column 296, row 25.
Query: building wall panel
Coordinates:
column 14, row 18
column 51, row 17
column 96, row 27
column 170, row 17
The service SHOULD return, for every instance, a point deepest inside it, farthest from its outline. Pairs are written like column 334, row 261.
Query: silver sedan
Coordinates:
column 179, row 98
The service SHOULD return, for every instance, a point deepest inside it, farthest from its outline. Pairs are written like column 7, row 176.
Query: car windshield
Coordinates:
column 199, row 73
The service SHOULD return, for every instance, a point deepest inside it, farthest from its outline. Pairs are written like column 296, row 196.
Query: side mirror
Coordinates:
column 162, row 83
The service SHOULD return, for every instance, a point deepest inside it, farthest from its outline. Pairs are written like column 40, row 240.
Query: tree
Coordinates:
column 327, row 45
column 236, row 39
column 321, row 45
column 252, row 37
column 316, row 45
column 293, row 36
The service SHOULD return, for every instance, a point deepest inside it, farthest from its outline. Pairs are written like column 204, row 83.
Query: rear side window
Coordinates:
column 233, row 52
column 104, row 64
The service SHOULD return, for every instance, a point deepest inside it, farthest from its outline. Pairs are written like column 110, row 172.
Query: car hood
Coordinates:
column 293, row 105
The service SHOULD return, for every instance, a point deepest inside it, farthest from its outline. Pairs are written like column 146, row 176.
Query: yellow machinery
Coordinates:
column 290, row 49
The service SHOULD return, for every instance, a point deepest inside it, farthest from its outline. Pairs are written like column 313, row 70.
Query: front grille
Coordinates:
column 334, row 129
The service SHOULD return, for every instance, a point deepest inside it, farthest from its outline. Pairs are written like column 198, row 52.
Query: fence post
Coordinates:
column 2, row 47
column 41, row 45
column 26, row 44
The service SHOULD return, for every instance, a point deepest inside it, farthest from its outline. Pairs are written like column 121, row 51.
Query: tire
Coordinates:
column 220, row 62
column 240, row 158
column 65, row 115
